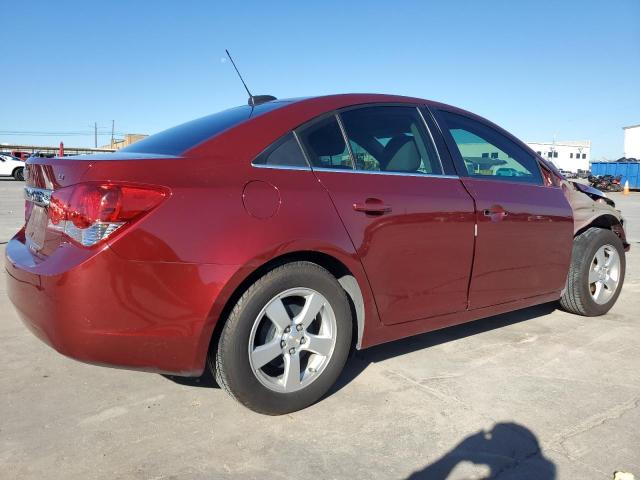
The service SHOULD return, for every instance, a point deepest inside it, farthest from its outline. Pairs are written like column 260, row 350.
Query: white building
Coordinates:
column 568, row 155
column 632, row 141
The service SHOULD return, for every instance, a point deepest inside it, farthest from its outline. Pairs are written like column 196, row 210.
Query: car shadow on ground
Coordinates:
column 508, row 449
column 359, row 361
column 205, row 380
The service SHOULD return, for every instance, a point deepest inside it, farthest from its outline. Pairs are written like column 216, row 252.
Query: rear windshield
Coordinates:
column 177, row 140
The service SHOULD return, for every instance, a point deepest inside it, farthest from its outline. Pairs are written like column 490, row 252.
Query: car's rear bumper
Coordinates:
column 99, row 308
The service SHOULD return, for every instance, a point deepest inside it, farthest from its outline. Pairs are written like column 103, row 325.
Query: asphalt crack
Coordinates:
column 594, row 421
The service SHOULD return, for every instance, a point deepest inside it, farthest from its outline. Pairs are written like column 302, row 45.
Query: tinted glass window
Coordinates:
column 177, row 140
column 284, row 152
column 390, row 139
column 506, row 160
column 324, row 144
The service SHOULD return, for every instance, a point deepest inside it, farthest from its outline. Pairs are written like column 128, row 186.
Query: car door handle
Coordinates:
column 372, row 206
column 495, row 212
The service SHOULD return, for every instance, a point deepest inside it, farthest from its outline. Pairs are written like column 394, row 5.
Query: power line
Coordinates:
column 41, row 133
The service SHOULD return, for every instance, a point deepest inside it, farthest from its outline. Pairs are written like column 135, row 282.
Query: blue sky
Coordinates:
column 538, row 68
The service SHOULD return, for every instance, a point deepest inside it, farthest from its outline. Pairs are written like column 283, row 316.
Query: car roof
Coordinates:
column 251, row 130
column 342, row 100
column 184, row 138
column 198, row 135
column 291, row 113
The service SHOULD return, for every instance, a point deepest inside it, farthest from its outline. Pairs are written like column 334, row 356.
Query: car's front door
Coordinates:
column 525, row 228
column 411, row 224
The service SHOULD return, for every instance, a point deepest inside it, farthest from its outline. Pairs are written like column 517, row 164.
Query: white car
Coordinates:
column 11, row 167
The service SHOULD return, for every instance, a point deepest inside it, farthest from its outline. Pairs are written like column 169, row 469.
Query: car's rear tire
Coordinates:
column 286, row 340
column 596, row 273
column 18, row 174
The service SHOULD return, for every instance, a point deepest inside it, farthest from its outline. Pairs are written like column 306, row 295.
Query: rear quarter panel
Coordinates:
column 205, row 221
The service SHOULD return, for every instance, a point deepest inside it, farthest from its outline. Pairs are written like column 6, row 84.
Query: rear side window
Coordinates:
column 324, row 144
column 177, row 140
column 390, row 139
column 284, row 152
column 486, row 152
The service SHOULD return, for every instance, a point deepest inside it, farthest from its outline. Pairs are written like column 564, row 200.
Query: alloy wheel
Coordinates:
column 292, row 340
column 604, row 274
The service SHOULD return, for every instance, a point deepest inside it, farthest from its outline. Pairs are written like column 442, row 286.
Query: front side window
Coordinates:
column 324, row 144
column 506, row 161
column 283, row 153
column 390, row 139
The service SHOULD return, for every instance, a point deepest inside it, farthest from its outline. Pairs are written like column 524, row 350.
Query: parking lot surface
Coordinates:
column 537, row 394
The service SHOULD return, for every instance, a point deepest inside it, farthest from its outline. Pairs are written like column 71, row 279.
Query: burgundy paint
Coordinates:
column 417, row 256
column 261, row 199
column 151, row 296
column 523, row 248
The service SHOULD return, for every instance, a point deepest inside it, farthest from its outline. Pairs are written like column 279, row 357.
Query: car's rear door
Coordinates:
column 525, row 227
column 411, row 224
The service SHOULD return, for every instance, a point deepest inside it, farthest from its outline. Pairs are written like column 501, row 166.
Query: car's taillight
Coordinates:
column 90, row 212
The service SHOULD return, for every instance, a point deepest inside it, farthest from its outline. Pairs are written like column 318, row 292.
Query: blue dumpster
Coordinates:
column 628, row 171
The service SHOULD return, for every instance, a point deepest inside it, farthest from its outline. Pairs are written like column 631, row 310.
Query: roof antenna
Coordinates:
column 253, row 100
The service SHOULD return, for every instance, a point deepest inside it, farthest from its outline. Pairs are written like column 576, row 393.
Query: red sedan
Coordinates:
column 266, row 241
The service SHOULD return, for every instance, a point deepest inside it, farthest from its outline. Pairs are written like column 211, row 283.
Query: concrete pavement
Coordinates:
column 558, row 393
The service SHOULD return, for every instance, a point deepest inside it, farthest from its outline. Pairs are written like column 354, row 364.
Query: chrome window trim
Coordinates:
column 501, row 179
column 378, row 172
column 282, row 167
column 39, row 196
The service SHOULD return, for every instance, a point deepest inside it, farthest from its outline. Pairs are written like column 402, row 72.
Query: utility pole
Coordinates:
column 113, row 124
column 95, row 134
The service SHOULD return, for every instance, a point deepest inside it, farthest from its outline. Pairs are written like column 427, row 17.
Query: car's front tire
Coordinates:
column 286, row 340
column 18, row 174
column 596, row 273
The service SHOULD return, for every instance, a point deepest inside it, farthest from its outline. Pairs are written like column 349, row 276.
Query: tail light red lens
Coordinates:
column 88, row 213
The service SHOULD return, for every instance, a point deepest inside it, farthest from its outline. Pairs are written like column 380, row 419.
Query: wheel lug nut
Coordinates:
column 298, row 327
column 292, row 351
column 303, row 341
column 282, row 343
column 287, row 330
